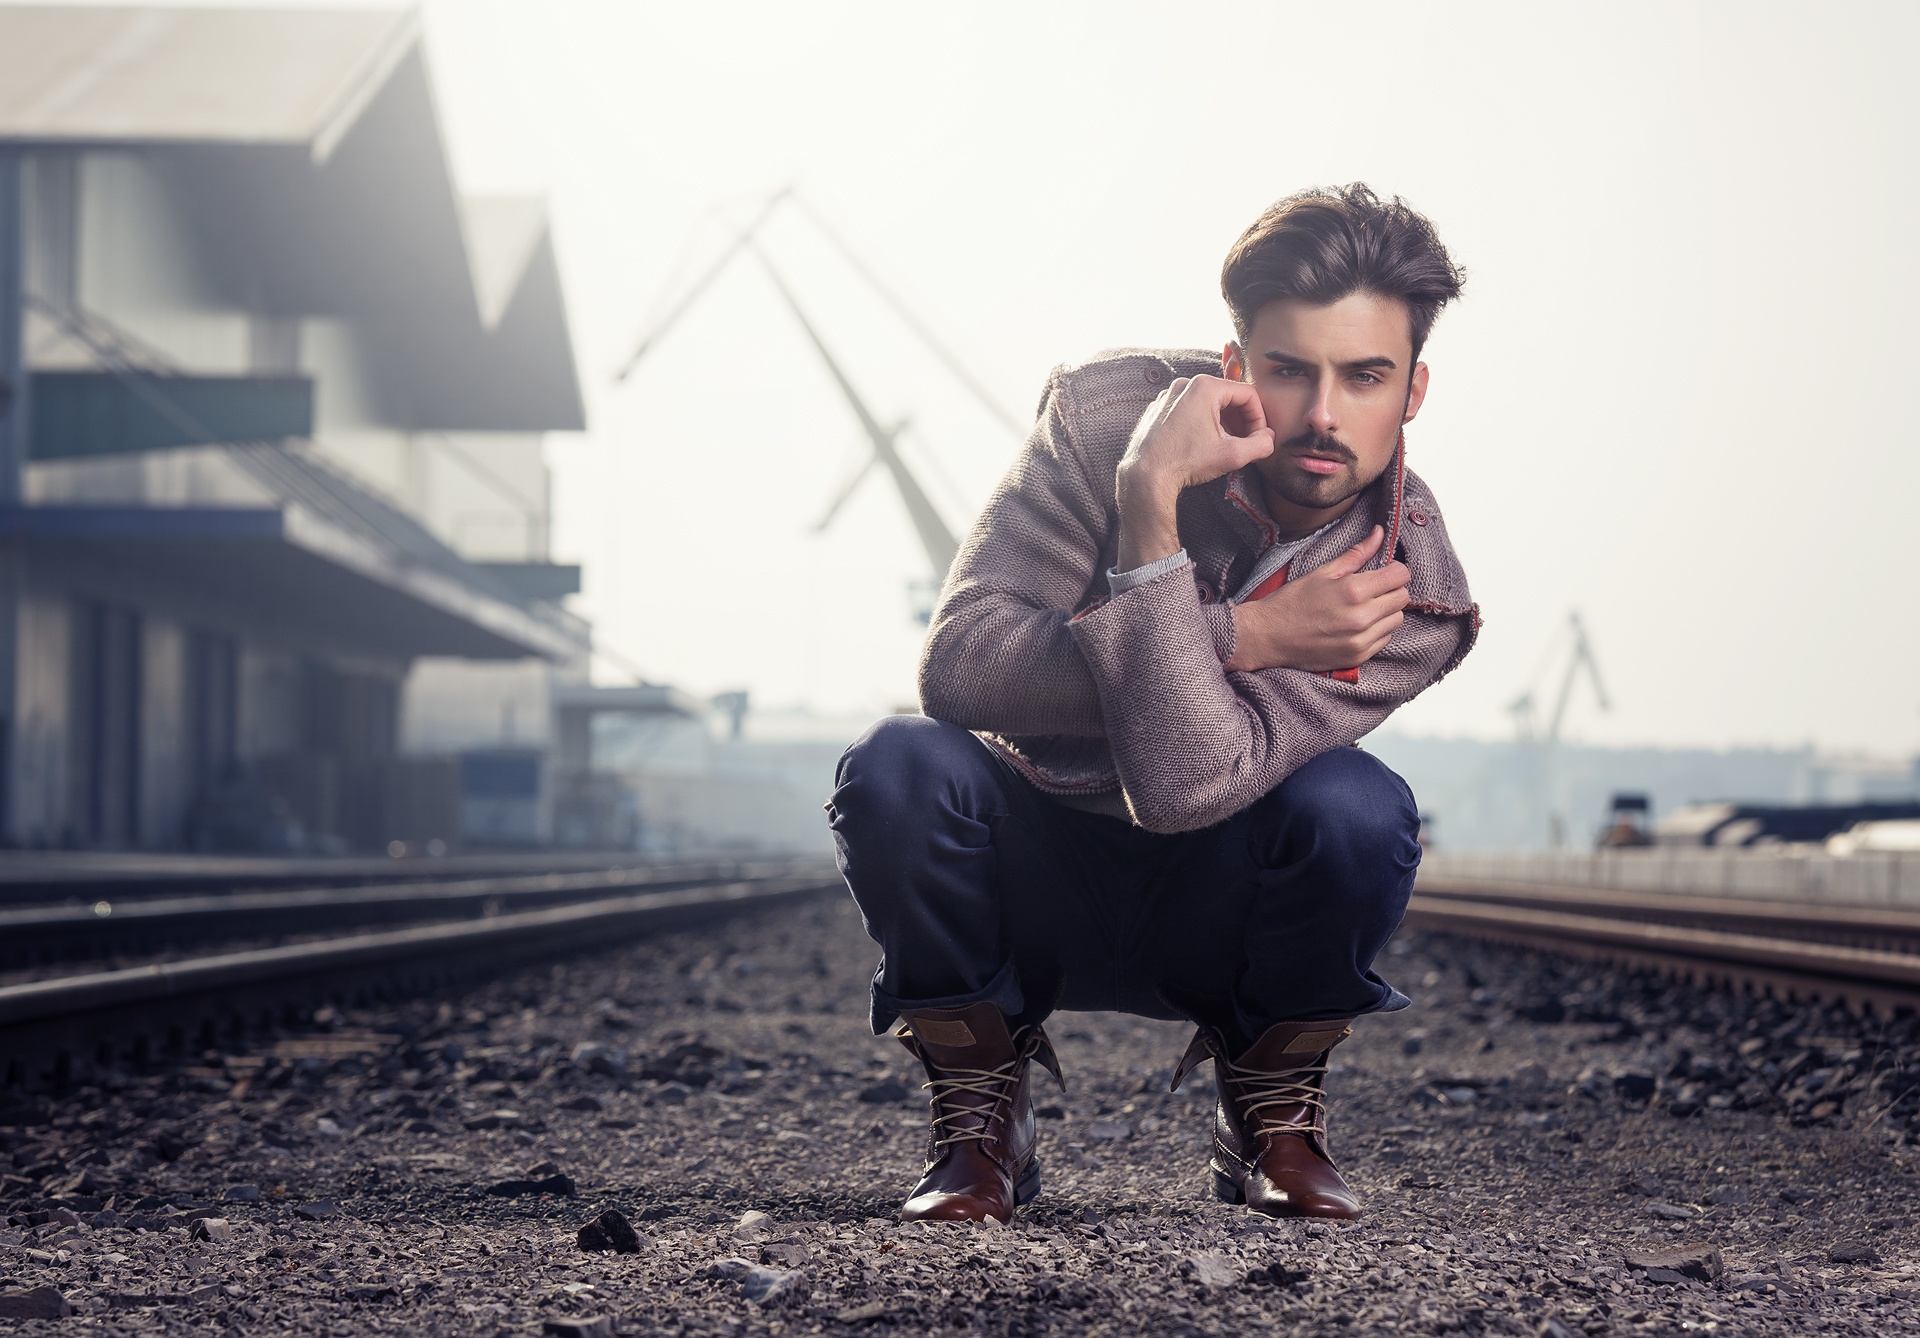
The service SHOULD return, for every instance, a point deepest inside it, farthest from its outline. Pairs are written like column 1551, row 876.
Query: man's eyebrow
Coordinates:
column 1378, row 362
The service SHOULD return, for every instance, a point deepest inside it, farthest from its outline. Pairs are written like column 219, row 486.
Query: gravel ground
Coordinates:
column 1543, row 1147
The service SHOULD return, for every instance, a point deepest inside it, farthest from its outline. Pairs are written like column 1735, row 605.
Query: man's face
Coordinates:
column 1335, row 382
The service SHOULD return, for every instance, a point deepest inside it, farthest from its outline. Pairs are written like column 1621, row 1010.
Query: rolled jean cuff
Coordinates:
column 1390, row 1000
column 1003, row 992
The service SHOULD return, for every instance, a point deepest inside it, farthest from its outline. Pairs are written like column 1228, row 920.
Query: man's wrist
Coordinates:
column 1149, row 519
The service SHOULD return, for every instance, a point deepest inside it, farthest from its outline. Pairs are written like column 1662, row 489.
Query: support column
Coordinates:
column 13, row 458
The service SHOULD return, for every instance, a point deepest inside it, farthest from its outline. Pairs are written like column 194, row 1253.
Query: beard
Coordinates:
column 1314, row 491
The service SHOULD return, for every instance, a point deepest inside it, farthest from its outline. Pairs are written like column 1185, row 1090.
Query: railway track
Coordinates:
column 1864, row 956
column 451, row 931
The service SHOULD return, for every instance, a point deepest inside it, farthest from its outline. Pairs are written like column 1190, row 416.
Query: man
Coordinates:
column 1133, row 787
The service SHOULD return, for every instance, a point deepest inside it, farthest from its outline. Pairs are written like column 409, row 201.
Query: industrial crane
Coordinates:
column 936, row 539
column 1523, row 707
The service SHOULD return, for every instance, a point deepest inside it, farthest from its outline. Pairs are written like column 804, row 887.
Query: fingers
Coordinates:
column 1373, row 584
column 1351, row 561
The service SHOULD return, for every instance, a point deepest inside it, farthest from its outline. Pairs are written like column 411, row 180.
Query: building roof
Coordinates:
column 306, row 148
column 84, row 75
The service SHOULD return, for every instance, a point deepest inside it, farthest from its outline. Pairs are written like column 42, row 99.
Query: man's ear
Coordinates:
column 1232, row 366
column 1416, row 392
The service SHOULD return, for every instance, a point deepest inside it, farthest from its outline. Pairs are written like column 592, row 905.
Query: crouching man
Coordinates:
column 1134, row 787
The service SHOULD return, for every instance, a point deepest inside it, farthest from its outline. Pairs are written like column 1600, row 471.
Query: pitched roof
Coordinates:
column 306, row 147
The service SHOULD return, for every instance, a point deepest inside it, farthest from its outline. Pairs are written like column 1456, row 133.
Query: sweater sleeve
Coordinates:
column 1194, row 743
column 999, row 656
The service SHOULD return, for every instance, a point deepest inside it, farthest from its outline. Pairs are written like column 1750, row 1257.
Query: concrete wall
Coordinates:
column 1783, row 873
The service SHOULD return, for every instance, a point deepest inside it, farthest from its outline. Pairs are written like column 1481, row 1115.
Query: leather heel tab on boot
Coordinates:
column 952, row 1033
column 1313, row 1042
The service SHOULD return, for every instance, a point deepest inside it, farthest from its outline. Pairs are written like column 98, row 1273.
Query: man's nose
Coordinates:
column 1320, row 413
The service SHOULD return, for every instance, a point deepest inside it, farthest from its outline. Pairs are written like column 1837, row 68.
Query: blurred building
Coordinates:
column 274, row 563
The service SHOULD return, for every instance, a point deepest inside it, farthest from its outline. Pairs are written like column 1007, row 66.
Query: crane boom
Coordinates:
column 938, row 541
column 705, row 281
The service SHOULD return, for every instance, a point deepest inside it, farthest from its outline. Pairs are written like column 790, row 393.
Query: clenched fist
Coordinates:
column 1336, row 617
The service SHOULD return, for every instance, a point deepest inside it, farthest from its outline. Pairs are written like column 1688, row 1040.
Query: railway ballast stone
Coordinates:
column 609, row 1231
column 34, row 1303
column 747, row 1054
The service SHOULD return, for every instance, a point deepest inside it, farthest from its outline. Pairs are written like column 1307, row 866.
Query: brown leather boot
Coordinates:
column 1270, row 1122
column 980, row 1160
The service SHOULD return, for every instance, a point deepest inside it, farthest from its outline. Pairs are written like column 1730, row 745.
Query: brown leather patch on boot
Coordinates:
column 936, row 1032
column 1313, row 1042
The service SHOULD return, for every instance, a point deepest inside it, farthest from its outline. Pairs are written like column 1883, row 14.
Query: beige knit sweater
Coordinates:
column 1123, row 703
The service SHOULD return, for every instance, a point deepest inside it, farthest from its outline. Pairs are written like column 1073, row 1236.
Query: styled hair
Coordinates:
column 1321, row 245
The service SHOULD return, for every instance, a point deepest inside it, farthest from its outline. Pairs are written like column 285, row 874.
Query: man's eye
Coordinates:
column 1288, row 371
column 1366, row 378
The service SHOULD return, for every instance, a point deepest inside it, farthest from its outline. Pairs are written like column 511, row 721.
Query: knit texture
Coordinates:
column 1127, row 697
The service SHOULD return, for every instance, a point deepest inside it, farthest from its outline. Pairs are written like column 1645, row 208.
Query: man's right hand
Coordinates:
column 1335, row 617
column 1198, row 429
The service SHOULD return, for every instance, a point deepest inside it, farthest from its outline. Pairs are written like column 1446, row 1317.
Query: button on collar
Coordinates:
column 1417, row 517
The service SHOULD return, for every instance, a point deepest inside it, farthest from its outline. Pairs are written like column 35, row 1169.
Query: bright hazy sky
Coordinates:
column 1675, row 397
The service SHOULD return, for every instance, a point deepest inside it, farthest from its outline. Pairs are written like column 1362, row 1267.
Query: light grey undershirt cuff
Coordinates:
column 1119, row 582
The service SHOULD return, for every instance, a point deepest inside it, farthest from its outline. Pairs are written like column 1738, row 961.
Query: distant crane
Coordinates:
column 1523, row 709
column 937, row 540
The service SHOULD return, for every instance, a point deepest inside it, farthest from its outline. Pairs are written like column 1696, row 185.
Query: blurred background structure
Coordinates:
column 330, row 482
column 275, row 566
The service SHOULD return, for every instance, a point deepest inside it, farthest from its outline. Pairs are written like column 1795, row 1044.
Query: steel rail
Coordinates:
column 1877, row 976
column 28, row 878
column 1891, row 927
column 43, row 932
column 109, row 1015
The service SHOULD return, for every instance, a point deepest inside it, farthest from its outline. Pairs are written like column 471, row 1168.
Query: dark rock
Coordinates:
column 610, row 1231
column 1278, row 1275
column 1542, row 1010
column 1702, row 1263
column 579, row 1326
column 1666, row 1276
column 1635, row 1086
column 1795, row 1194
column 583, row 1102
column 887, row 1092
column 168, row 1146
column 1049, row 1112
column 690, row 1064
column 34, row 1303
column 1411, row 1045
column 243, row 1194
column 1672, row 1212
column 1727, row 1196
column 1649, row 1185
column 552, row 1184
column 1853, row 1252
column 317, row 1211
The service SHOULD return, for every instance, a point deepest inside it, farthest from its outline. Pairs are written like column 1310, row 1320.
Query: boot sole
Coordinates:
column 1226, row 1188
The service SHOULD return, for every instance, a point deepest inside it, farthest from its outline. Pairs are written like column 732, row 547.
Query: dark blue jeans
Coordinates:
column 977, row 886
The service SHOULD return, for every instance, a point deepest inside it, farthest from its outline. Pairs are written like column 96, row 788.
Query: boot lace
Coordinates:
column 1257, row 1091
column 995, row 1084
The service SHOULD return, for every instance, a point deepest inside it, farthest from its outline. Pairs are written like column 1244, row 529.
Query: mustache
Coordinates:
column 1316, row 444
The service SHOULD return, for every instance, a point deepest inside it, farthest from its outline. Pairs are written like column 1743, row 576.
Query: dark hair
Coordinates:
column 1325, row 244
